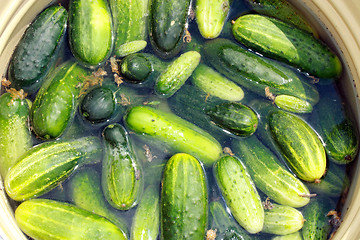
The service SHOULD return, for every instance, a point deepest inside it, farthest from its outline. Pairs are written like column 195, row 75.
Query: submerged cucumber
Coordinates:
column 293, row 104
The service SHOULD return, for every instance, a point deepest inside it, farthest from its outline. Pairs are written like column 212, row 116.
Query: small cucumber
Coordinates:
column 49, row 219
column 177, row 73
column 15, row 136
column 180, row 135
column 122, row 175
column 131, row 47
column 37, row 50
column 282, row 220
column 293, row 236
column 210, row 16
column 46, row 165
column 215, row 84
column 184, row 199
column 57, row 100
column 293, row 104
column 90, row 31
column 283, row 41
column 268, row 173
column 239, row 192
column 146, row 221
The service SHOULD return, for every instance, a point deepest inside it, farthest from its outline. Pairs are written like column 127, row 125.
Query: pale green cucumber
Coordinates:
column 293, row 104
column 131, row 47
column 292, row 236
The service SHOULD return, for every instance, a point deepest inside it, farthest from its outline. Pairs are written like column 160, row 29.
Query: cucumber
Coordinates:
column 239, row 192
column 283, row 41
column 282, row 220
column 15, row 136
column 234, row 117
column 90, row 31
column 49, row 219
column 175, row 75
column 269, row 175
column 146, row 221
column 122, row 175
column 130, row 20
column 84, row 191
column 293, row 104
column 57, row 100
column 131, row 47
column 184, row 202
column 46, row 165
column 177, row 133
column 211, row 16
column 215, row 84
column 167, row 26
column 292, row 236
column 38, row 48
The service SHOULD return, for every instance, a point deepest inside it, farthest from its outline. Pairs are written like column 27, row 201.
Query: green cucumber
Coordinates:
column 90, row 31
column 122, row 175
column 184, row 202
column 177, row 73
column 130, row 20
column 210, row 16
column 293, row 104
column 84, row 191
column 38, row 48
column 282, row 220
column 180, row 135
column 269, row 175
column 215, row 84
column 49, row 219
column 131, row 47
column 56, row 102
column 15, row 136
column 283, row 41
column 146, row 221
column 293, row 236
column 234, row 117
column 239, row 192
column 167, row 26
column 46, row 165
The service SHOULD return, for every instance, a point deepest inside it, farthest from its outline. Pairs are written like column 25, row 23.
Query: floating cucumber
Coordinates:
column 131, row 47
column 293, row 104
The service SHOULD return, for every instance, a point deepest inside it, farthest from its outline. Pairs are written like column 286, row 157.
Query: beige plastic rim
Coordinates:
column 342, row 21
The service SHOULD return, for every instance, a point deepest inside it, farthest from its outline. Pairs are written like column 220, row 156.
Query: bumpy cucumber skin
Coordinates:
column 122, row 175
column 15, row 136
column 90, row 31
column 167, row 26
column 57, row 100
column 268, row 174
column 131, row 47
column 210, row 16
column 283, row 41
column 49, row 219
column 293, row 104
column 146, row 221
column 299, row 144
column 37, row 50
column 239, row 192
column 177, row 73
column 177, row 133
column 46, row 165
column 184, row 203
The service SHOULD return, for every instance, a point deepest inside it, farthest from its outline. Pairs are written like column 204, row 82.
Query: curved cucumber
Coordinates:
column 239, row 192
column 179, row 134
column 122, row 175
column 49, row 219
column 184, row 200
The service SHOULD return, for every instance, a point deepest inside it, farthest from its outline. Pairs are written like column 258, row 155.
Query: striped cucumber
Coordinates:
column 184, row 202
column 46, row 165
column 293, row 104
column 239, row 192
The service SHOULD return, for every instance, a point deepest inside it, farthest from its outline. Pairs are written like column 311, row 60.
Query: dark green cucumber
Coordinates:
column 90, row 31
column 56, row 102
column 269, row 175
column 234, row 117
column 146, row 221
column 49, row 219
column 122, row 175
column 46, row 165
column 184, row 203
column 177, row 133
column 167, row 26
column 15, row 136
column 283, row 41
column 239, row 192
column 38, row 48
